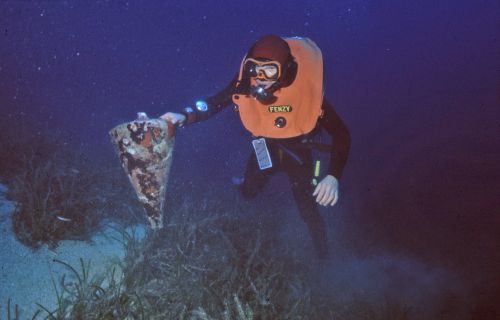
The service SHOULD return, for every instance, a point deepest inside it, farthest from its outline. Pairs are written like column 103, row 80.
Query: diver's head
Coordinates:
column 271, row 48
column 268, row 59
column 266, row 65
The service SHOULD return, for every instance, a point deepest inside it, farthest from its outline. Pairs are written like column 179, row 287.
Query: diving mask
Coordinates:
column 264, row 70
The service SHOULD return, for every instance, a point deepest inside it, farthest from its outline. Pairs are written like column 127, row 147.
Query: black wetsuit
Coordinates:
column 293, row 157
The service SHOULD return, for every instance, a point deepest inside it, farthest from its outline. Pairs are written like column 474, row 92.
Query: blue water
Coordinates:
column 415, row 82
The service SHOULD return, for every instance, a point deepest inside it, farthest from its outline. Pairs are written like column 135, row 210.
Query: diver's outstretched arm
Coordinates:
column 203, row 109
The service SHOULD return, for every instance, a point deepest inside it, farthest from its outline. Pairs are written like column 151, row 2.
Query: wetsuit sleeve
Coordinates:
column 212, row 105
column 341, row 139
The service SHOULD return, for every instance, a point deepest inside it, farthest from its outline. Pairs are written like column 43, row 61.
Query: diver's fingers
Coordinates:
column 316, row 190
column 320, row 190
column 177, row 119
column 329, row 198
column 324, row 194
column 336, row 198
column 167, row 117
column 321, row 194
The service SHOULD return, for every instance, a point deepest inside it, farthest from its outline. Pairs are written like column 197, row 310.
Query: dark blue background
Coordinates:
column 415, row 81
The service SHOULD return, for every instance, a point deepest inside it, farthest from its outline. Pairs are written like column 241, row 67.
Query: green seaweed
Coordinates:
column 205, row 265
column 57, row 198
column 16, row 311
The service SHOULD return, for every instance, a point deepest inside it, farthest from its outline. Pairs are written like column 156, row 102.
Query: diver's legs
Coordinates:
column 300, row 181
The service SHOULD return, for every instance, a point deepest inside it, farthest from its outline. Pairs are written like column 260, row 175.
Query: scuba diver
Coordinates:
column 278, row 93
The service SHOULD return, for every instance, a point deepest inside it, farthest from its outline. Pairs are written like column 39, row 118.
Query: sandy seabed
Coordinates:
column 26, row 275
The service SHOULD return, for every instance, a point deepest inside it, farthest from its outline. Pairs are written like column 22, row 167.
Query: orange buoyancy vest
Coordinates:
column 299, row 104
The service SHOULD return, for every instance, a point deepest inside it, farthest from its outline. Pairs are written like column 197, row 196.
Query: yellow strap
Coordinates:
column 317, row 168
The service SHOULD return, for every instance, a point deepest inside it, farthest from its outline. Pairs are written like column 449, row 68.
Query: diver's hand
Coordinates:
column 327, row 191
column 177, row 119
